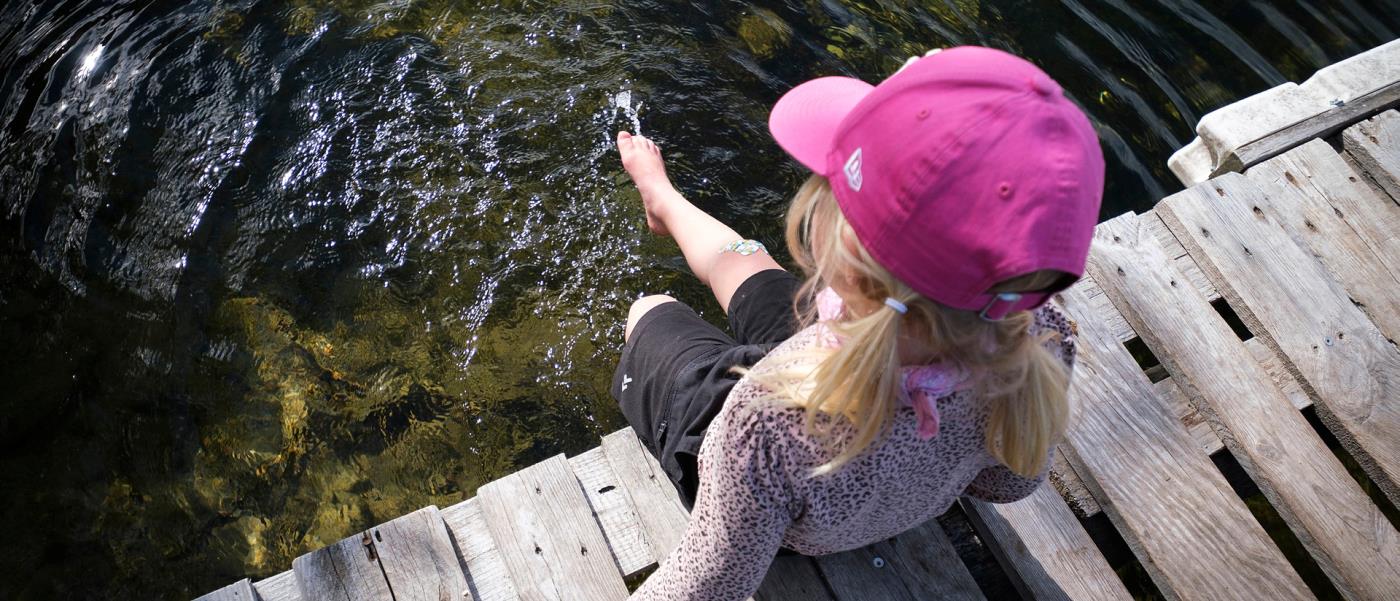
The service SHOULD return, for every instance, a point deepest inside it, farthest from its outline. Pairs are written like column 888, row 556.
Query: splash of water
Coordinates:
column 622, row 101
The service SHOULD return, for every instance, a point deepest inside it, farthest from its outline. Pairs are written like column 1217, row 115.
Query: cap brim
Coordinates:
column 804, row 121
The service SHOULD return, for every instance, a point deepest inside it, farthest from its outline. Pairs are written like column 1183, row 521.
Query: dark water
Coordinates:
column 274, row 271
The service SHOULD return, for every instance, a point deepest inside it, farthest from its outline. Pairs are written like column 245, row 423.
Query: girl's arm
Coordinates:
column 741, row 513
column 699, row 235
column 998, row 484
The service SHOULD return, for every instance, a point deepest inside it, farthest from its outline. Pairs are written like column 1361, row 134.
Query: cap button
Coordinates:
column 1044, row 86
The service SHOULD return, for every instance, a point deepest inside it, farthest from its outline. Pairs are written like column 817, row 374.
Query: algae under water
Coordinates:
column 277, row 270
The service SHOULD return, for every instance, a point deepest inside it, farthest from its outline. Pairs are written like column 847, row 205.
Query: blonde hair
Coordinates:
column 859, row 380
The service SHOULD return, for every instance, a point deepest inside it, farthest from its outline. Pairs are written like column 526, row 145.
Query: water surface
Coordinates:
column 277, row 270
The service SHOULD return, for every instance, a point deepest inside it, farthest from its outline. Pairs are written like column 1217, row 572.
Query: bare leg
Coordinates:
column 699, row 235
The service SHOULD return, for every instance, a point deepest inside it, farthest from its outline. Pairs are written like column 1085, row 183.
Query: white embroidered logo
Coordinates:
column 626, row 379
column 852, row 171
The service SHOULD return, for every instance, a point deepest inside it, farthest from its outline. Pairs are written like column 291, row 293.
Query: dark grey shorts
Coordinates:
column 675, row 371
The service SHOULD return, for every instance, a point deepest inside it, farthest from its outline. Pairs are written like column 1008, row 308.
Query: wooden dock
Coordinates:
column 1303, row 247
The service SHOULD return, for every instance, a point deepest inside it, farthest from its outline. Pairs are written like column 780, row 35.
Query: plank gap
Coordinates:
column 1353, row 467
column 635, row 580
column 989, row 574
column 1145, row 359
column 1227, row 313
column 1120, row 556
column 1273, row 524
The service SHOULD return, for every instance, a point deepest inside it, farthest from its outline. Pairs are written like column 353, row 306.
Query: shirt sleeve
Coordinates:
column 998, row 484
column 741, row 512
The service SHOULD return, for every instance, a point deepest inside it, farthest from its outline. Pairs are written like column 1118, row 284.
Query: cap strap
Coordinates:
column 1001, row 304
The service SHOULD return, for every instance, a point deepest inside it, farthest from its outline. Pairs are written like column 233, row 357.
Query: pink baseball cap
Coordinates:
column 967, row 168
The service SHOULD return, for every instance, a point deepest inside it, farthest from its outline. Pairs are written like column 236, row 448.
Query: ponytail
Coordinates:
column 860, row 378
column 1030, row 406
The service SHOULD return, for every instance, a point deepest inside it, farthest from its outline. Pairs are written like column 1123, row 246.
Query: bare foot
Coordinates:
column 642, row 160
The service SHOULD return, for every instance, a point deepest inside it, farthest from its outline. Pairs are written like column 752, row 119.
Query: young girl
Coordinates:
column 922, row 360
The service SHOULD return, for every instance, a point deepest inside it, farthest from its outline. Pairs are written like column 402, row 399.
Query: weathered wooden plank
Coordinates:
column 1375, row 145
column 1352, row 542
column 545, row 531
column 238, row 591
column 1320, row 126
column 1195, row 423
column 855, row 575
column 488, row 579
column 416, row 553
column 1062, row 473
column 1113, row 323
column 1044, row 550
column 1176, row 512
column 1322, row 204
column 793, row 578
column 918, row 564
column 925, row 560
column 347, row 570
column 656, row 502
column 1270, row 361
column 282, row 587
column 1291, row 302
column 613, row 508
column 1177, row 252
column 1071, row 487
column 1070, row 484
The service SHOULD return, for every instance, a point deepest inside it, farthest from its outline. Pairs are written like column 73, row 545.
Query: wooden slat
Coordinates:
column 1352, row 542
column 1066, row 481
column 1320, row 126
column 282, row 587
column 1062, row 474
column 347, row 570
column 918, row 564
column 614, row 511
column 1176, row 512
column 238, row 591
column 1074, row 491
column 1044, row 550
column 653, row 497
column 925, row 560
column 793, row 578
column 410, row 558
column 1290, row 301
column 1195, row 423
column 1375, row 146
column 1270, row 361
column 1071, row 487
column 487, row 575
column 1322, row 204
column 1180, row 258
column 545, row 531
column 416, row 553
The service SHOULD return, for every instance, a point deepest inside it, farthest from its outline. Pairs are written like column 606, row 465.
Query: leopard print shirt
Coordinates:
column 756, row 492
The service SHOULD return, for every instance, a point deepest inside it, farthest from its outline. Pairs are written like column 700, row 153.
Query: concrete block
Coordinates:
column 1192, row 163
column 1358, row 75
column 1225, row 130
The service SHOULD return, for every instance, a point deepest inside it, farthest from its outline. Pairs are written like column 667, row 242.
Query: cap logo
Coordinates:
column 852, row 171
